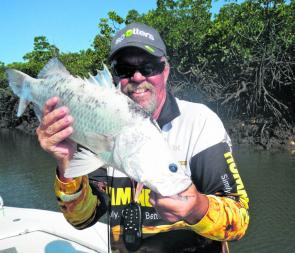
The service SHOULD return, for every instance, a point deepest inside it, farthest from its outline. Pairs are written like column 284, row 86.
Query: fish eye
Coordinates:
column 173, row 167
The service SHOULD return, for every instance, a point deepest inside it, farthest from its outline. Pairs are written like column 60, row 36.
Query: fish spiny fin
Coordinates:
column 53, row 67
column 107, row 76
column 104, row 78
column 83, row 163
column 20, row 83
column 92, row 80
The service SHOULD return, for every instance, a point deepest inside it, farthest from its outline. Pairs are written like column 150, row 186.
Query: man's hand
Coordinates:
column 53, row 131
column 189, row 205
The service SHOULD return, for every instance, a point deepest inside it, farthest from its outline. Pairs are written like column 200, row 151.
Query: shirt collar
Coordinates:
column 169, row 111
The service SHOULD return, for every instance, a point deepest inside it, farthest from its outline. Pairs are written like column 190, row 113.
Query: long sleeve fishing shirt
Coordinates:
column 203, row 148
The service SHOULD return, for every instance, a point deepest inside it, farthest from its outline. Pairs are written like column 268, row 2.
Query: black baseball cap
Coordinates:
column 138, row 35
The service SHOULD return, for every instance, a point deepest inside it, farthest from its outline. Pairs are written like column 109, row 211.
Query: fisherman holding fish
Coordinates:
column 194, row 204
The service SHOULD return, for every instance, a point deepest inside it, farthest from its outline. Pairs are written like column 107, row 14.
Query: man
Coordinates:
column 213, row 210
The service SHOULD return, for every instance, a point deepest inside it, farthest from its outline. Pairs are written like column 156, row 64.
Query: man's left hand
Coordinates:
column 189, row 205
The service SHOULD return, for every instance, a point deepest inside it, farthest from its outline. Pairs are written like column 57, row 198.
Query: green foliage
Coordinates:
column 102, row 45
column 182, row 24
column 81, row 64
column 3, row 82
column 132, row 16
column 251, row 49
column 35, row 60
column 241, row 61
column 42, row 52
column 102, row 41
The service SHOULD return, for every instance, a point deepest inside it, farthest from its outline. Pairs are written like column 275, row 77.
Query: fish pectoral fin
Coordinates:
column 83, row 163
column 99, row 143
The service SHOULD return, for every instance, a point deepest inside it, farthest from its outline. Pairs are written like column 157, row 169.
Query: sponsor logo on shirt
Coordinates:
column 233, row 169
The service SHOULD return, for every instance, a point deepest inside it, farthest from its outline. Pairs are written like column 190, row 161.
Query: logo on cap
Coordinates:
column 134, row 31
column 148, row 48
column 128, row 33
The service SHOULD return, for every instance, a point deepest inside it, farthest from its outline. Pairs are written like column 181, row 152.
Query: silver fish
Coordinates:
column 117, row 131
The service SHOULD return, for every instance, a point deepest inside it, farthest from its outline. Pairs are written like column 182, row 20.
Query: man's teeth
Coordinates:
column 139, row 90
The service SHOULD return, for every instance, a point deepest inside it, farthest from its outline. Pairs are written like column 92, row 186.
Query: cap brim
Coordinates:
column 149, row 49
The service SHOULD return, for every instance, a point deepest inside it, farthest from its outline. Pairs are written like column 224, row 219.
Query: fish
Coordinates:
column 110, row 127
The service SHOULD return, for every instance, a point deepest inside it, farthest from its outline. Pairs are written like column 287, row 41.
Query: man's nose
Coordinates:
column 137, row 77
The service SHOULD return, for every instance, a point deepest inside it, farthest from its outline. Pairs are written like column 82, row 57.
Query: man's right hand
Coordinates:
column 53, row 131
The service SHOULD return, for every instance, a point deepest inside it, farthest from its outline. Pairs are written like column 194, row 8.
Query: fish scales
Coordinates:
column 115, row 130
column 88, row 105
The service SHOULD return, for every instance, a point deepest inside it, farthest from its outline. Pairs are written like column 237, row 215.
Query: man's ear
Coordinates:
column 166, row 71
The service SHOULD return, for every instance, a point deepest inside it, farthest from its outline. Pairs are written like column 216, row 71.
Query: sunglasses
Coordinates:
column 148, row 69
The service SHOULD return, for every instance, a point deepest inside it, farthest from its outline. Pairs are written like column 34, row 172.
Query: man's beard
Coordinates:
column 152, row 103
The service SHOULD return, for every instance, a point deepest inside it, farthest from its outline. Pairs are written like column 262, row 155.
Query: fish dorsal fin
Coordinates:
column 104, row 78
column 92, row 80
column 53, row 67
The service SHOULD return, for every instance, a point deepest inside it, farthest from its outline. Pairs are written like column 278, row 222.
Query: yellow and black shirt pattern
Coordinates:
column 212, row 169
column 226, row 219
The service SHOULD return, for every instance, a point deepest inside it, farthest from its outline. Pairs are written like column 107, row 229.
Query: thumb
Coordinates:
column 153, row 197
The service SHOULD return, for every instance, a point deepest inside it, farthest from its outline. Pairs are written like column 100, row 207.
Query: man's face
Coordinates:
column 148, row 90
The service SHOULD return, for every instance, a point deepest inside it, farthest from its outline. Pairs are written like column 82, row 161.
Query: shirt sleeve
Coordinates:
column 214, row 172
column 80, row 204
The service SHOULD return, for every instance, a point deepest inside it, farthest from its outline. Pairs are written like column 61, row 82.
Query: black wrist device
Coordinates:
column 132, row 226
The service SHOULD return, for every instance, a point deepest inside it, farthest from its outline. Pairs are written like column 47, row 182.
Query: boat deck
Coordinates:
column 24, row 230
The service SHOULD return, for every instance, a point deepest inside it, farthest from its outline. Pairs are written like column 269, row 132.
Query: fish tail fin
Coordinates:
column 19, row 82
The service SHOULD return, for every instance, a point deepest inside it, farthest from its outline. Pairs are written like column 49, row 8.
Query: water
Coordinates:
column 26, row 172
column 27, row 176
column 270, row 181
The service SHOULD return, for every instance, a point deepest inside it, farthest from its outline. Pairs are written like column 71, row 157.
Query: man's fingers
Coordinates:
column 50, row 105
column 59, row 137
column 59, row 125
column 172, row 202
column 53, row 116
column 49, row 143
